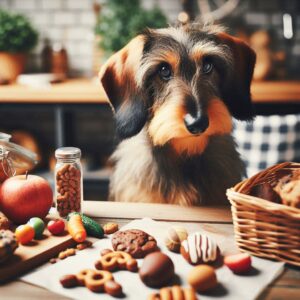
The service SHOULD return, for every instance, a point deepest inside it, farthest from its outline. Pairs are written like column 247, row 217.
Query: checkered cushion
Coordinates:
column 268, row 140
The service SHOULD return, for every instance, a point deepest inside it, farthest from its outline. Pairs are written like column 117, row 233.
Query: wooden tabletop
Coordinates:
column 216, row 220
column 80, row 91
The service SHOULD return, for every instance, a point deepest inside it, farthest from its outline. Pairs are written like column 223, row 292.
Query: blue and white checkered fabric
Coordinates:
column 268, row 140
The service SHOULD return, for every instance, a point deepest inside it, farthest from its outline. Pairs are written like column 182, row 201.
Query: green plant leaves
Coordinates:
column 16, row 33
column 121, row 20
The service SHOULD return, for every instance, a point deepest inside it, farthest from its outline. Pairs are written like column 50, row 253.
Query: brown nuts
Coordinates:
column 84, row 245
column 110, row 228
column 113, row 288
column 68, row 187
column 68, row 281
column 66, row 253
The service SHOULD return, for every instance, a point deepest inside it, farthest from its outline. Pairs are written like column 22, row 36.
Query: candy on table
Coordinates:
column 56, row 227
column 24, row 234
column 175, row 236
column 199, row 248
column 38, row 225
column 157, row 270
column 202, row 278
column 238, row 263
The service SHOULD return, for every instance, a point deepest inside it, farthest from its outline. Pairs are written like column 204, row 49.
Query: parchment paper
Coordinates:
column 231, row 286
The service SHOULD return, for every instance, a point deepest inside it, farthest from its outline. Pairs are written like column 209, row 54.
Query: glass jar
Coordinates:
column 14, row 157
column 68, row 181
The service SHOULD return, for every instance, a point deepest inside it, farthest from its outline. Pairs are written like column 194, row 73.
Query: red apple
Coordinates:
column 23, row 197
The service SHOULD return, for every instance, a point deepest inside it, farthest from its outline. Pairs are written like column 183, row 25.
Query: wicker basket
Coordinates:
column 264, row 228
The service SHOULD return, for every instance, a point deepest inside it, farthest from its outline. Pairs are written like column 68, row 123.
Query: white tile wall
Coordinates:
column 74, row 20
column 51, row 4
column 79, row 4
column 78, row 33
column 4, row 4
column 64, row 18
column 87, row 18
column 25, row 4
column 39, row 18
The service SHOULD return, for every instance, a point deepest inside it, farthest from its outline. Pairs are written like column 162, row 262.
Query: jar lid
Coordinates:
column 18, row 156
column 68, row 152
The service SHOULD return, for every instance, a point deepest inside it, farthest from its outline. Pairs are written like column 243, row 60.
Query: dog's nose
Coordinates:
column 196, row 125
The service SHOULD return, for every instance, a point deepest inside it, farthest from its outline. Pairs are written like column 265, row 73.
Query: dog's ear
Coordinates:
column 118, row 79
column 236, row 86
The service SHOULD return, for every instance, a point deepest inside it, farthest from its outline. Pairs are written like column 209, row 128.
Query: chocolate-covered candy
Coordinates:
column 198, row 248
column 202, row 278
column 175, row 236
column 157, row 270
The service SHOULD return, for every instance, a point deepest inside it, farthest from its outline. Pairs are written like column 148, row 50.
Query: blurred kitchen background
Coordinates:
column 57, row 100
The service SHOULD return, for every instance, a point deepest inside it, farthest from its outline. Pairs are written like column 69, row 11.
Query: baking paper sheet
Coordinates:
column 231, row 286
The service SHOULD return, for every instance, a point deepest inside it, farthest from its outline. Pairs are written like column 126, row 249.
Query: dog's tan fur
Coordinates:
column 159, row 159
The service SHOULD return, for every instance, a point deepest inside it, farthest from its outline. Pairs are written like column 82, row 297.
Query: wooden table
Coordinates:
column 217, row 220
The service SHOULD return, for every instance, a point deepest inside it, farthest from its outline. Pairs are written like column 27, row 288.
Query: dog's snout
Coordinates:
column 196, row 125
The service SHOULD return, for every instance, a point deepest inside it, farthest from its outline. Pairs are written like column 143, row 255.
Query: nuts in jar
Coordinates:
column 68, row 180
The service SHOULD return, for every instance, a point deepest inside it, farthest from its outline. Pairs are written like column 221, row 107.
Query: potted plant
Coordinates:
column 120, row 20
column 17, row 38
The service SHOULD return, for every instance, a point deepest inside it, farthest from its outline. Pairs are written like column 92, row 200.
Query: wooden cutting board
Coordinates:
column 27, row 257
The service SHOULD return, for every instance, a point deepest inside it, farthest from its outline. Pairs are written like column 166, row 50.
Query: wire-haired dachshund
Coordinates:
column 174, row 92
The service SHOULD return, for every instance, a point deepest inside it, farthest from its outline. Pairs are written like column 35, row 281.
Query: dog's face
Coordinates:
column 182, row 84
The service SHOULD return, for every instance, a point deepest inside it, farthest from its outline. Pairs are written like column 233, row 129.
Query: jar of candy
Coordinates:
column 68, row 180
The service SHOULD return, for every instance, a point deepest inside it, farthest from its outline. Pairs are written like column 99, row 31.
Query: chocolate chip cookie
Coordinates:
column 8, row 244
column 135, row 242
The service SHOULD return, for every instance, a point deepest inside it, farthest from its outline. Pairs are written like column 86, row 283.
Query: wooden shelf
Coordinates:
column 82, row 91
column 276, row 92
column 72, row 91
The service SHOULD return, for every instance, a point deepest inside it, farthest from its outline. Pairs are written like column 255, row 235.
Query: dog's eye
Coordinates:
column 165, row 72
column 207, row 67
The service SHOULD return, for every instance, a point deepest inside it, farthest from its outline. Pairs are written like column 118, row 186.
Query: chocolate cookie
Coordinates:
column 8, row 244
column 135, row 242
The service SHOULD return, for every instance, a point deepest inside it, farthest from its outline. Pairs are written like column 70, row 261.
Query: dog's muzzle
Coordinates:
column 196, row 125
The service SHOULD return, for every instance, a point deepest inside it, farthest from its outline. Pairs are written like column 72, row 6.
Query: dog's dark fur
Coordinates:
column 159, row 158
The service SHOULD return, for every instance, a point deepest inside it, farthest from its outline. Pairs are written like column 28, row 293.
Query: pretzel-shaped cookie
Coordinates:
column 95, row 281
column 174, row 292
column 117, row 260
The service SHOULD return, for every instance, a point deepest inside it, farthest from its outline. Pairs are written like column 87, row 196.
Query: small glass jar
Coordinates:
column 14, row 158
column 68, row 181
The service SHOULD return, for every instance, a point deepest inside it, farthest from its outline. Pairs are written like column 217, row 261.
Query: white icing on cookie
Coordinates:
column 200, row 248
